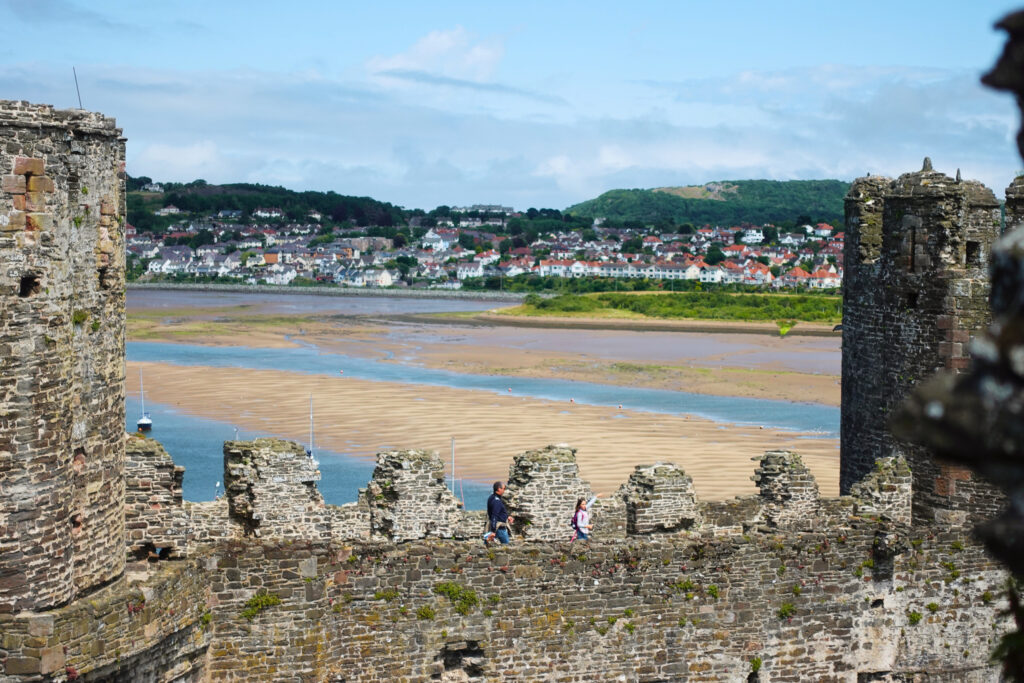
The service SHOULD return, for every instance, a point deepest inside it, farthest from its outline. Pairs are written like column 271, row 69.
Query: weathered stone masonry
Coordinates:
column 916, row 290
column 819, row 589
column 62, row 353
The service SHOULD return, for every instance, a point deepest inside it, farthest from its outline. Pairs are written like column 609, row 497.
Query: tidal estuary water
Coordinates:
column 197, row 443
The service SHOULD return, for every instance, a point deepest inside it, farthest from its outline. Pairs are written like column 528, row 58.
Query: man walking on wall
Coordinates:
column 497, row 514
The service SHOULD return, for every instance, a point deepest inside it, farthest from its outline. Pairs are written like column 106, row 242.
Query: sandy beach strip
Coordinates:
column 361, row 418
column 640, row 324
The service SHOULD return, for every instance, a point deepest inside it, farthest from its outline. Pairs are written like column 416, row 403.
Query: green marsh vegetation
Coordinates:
column 762, row 307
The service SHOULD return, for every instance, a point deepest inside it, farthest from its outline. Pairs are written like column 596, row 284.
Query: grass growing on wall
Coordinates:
column 258, row 603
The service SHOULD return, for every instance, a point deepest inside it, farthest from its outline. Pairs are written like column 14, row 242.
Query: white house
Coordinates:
column 439, row 239
column 470, row 269
column 710, row 274
column 351, row 277
column 555, row 268
column 823, row 279
column 753, row 236
column 282, row 276
column 378, row 278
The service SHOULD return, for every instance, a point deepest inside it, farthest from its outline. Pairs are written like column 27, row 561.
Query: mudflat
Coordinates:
column 363, row 417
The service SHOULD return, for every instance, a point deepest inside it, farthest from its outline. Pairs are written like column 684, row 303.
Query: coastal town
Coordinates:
column 481, row 247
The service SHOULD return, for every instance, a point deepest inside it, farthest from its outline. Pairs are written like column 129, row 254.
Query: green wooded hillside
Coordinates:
column 200, row 197
column 754, row 201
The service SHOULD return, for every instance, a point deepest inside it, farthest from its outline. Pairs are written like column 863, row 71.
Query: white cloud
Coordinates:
column 454, row 53
column 197, row 160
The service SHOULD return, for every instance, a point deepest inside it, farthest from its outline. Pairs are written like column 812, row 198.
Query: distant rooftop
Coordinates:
column 483, row 208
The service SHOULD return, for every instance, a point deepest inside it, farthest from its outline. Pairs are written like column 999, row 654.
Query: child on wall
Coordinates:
column 581, row 519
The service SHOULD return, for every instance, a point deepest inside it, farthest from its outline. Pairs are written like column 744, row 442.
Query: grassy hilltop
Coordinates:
column 722, row 203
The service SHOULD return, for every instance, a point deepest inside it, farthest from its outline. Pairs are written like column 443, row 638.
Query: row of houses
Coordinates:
column 810, row 259
column 750, row 273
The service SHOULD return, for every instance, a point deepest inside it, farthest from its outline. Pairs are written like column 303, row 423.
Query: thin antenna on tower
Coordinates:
column 76, row 88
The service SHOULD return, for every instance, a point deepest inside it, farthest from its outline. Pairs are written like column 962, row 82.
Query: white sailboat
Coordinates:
column 145, row 423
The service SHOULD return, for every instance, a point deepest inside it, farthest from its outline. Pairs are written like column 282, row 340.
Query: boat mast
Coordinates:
column 142, row 394
column 453, row 465
column 311, row 425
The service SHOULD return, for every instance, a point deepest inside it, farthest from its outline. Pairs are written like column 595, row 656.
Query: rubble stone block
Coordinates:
column 14, row 184
column 23, row 665
column 29, row 165
column 35, row 201
column 40, row 183
column 16, row 221
column 51, row 660
column 38, row 221
column 958, row 363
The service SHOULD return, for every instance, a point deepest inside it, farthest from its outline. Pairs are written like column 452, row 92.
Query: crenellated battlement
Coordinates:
column 271, row 493
column 659, row 498
column 407, row 499
column 849, row 593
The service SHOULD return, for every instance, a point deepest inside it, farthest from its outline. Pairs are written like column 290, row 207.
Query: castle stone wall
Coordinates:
column 789, row 492
column 407, row 498
column 910, row 309
column 542, row 489
column 838, row 594
column 864, row 346
column 61, row 354
column 810, row 605
column 154, row 514
column 144, row 632
column 1014, row 205
column 887, row 491
column 659, row 498
column 270, row 485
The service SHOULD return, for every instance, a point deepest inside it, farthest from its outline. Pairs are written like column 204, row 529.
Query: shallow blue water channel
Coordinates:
column 196, row 443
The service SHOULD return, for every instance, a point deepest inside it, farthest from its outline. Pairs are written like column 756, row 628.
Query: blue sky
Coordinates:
column 540, row 104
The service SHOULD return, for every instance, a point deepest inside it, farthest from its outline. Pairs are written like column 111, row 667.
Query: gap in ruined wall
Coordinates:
column 150, row 553
column 884, row 568
column 31, row 284
column 973, row 253
column 77, row 523
column 105, row 279
column 461, row 663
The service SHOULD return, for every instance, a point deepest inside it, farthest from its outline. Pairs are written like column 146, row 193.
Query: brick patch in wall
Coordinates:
column 29, row 165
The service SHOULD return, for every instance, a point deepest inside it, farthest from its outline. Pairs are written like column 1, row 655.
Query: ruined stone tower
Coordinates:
column 61, row 354
column 915, row 291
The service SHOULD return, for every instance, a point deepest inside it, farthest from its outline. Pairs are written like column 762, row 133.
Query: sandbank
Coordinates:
column 361, row 418
column 764, row 366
